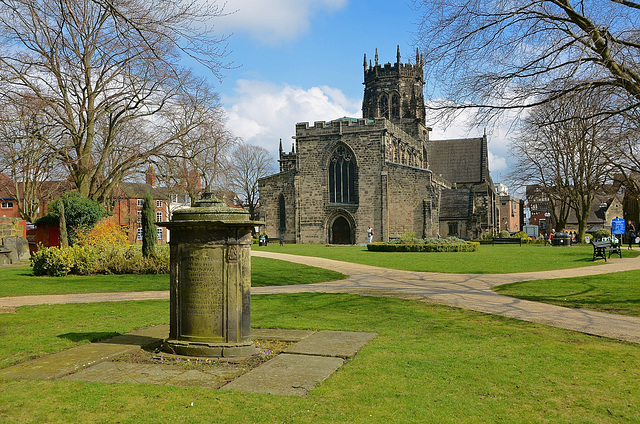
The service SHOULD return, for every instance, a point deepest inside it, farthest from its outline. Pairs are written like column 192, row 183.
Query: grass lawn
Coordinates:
column 616, row 293
column 428, row 364
column 19, row 281
column 488, row 259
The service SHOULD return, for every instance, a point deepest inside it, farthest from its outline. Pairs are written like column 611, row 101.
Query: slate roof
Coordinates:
column 459, row 161
column 598, row 213
column 47, row 190
column 138, row 191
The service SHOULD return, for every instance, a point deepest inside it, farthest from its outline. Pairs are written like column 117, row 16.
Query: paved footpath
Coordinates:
column 468, row 291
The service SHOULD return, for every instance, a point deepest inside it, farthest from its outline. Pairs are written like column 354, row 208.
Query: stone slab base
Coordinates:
column 312, row 359
column 208, row 350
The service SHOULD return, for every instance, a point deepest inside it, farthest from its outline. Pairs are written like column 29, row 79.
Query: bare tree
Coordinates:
column 197, row 157
column 244, row 167
column 501, row 54
column 106, row 69
column 26, row 155
column 567, row 150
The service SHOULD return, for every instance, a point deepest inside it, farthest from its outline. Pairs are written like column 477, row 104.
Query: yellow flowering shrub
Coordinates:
column 106, row 232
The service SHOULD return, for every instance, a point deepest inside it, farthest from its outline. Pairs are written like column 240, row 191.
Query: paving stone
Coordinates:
column 287, row 375
column 123, row 372
column 285, row 335
column 69, row 361
column 341, row 344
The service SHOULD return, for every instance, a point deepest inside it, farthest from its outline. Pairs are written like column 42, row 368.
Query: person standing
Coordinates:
column 370, row 234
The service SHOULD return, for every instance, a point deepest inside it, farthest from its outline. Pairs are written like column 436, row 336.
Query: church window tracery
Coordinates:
column 395, row 106
column 342, row 176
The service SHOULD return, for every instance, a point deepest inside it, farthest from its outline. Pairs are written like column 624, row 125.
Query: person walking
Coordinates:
column 370, row 234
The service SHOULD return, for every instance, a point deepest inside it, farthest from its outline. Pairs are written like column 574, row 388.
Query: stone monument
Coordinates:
column 210, row 296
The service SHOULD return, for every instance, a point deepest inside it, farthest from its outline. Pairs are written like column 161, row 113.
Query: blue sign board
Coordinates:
column 617, row 226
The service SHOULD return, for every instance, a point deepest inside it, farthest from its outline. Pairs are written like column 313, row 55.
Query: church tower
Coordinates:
column 395, row 92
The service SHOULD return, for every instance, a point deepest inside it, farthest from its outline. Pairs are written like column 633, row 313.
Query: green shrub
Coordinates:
column 522, row 235
column 85, row 260
column 449, row 244
column 602, row 233
column 504, row 234
column 79, row 213
column 52, row 261
column 149, row 230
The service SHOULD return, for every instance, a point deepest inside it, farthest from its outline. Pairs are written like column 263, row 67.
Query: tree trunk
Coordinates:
column 64, row 239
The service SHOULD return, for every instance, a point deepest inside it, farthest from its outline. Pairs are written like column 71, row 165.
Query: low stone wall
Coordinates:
column 12, row 227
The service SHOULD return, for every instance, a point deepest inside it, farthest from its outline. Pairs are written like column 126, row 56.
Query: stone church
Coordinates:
column 381, row 171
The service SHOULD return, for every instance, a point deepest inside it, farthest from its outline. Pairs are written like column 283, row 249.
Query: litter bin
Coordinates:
column 561, row 239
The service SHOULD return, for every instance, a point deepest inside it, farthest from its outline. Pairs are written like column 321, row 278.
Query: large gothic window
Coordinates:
column 383, row 106
column 342, row 176
column 395, row 106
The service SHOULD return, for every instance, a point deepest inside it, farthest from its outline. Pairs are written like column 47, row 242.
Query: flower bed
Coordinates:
column 449, row 244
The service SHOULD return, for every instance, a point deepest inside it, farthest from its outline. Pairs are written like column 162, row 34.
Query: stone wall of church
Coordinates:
column 412, row 202
column 271, row 188
column 315, row 146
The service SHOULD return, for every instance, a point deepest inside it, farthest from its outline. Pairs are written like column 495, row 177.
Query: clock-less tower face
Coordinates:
column 394, row 91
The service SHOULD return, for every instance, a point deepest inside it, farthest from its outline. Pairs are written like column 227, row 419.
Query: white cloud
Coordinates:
column 497, row 163
column 262, row 113
column 273, row 21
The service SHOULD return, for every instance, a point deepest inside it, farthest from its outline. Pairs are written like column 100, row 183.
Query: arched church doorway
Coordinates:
column 340, row 231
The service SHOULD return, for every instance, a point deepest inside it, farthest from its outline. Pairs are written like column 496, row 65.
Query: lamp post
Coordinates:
column 547, row 215
column 603, row 206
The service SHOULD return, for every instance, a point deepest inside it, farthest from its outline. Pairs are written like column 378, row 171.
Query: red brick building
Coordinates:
column 128, row 199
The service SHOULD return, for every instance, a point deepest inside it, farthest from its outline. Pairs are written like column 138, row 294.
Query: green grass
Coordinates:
column 272, row 272
column 488, row 259
column 19, row 281
column 616, row 293
column 428, row 364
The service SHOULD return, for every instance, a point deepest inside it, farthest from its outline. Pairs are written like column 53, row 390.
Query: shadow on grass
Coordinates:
column 87, row 337
column 113, row 338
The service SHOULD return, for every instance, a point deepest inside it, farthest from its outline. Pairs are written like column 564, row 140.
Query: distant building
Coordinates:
column 128, row 199
column 511, row 216
column 603, row 210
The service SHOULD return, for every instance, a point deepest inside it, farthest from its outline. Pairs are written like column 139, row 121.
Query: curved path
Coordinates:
column 468, row 291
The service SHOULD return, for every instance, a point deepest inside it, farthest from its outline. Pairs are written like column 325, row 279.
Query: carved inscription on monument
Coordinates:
column 201, row 292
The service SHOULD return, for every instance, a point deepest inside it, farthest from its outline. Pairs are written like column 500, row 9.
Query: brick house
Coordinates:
column 128, row 199
column 510, row 213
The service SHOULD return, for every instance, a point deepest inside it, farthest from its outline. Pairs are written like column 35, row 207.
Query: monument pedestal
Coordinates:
column 210, row 295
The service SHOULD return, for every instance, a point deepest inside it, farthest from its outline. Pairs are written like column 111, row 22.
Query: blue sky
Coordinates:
column 301, row 60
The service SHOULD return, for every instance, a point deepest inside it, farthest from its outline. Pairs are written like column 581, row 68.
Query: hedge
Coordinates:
column 411, row 247
column 86, row 260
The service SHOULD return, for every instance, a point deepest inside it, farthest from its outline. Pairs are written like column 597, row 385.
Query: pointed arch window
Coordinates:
column 342, row 176
column 282, row 213
column 395, row 106
column 383, row 106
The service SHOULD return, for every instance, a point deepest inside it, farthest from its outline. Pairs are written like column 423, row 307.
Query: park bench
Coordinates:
column 507, row 240
column 603, row 248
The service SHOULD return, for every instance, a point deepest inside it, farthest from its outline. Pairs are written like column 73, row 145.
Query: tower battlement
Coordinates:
column 373, row 71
